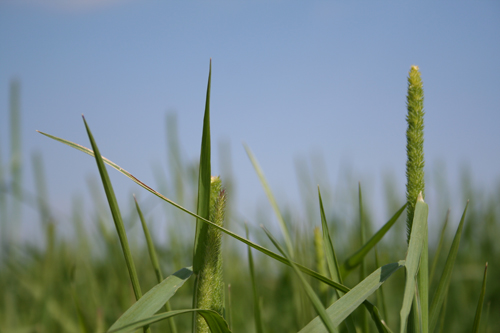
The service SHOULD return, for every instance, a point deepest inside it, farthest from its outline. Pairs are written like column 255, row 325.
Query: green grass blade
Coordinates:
column 362, row 269
column 149, row 243
column 320, row 309
column 444, row 282
column 354, row 260
column 342, row 308
column 331, row 258
column 381, row 302
column 154, row 299
column 216, row 323
column 272, row 200
column 256, row 303
column 16, row 162
column 115, row 212
column 154, row 261
column 423, row 282
column 440, row 246
column 204, row 179
column 418, row 232
column 479, row 309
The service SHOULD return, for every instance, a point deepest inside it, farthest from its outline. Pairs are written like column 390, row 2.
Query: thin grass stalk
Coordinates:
column 321, row 263
column 229, row 308
column 256, row 302
column 362, row 267
column 15, row 159
column 270, row 196
column 154, row 262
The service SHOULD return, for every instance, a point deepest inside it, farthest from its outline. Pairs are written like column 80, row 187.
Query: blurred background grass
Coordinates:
column 71, row 275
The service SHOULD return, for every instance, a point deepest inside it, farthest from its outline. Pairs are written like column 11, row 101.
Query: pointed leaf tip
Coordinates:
column 420, row 198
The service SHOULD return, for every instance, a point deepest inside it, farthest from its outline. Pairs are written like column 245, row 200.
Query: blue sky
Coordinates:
column 293, row 80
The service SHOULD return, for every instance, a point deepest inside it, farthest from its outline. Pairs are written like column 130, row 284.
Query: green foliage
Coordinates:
column 80, row 283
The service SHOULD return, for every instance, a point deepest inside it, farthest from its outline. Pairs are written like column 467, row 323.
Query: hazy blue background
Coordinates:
column 293, row 80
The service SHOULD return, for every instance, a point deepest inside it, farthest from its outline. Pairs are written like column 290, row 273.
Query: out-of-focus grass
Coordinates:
column 80, row 283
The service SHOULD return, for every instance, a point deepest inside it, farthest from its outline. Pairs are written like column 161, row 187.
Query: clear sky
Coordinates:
column 292, row 79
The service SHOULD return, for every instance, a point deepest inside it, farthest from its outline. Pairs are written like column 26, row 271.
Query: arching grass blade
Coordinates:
column 256, row 302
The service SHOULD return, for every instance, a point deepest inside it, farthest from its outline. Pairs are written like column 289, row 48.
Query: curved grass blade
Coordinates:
column 272, row 200
column 216, row 323
column 320, row 309
column 256, row 303
column 204, row 178
column 342, row 308
column 444, row 282
column 154, row 299
column 479, row 309
column 418, row 232
column 356, row 259
column 115, row 212
column 154, row 261
column 371, row 308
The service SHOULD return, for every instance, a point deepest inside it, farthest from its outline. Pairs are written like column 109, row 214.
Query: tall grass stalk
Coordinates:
column 414, row 144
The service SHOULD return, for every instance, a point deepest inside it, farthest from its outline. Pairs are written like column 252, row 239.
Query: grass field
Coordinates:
column 83, row 283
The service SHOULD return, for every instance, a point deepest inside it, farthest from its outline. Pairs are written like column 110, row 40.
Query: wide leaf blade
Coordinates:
column 214, row 320
column 342, row 308
column 154, row 299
